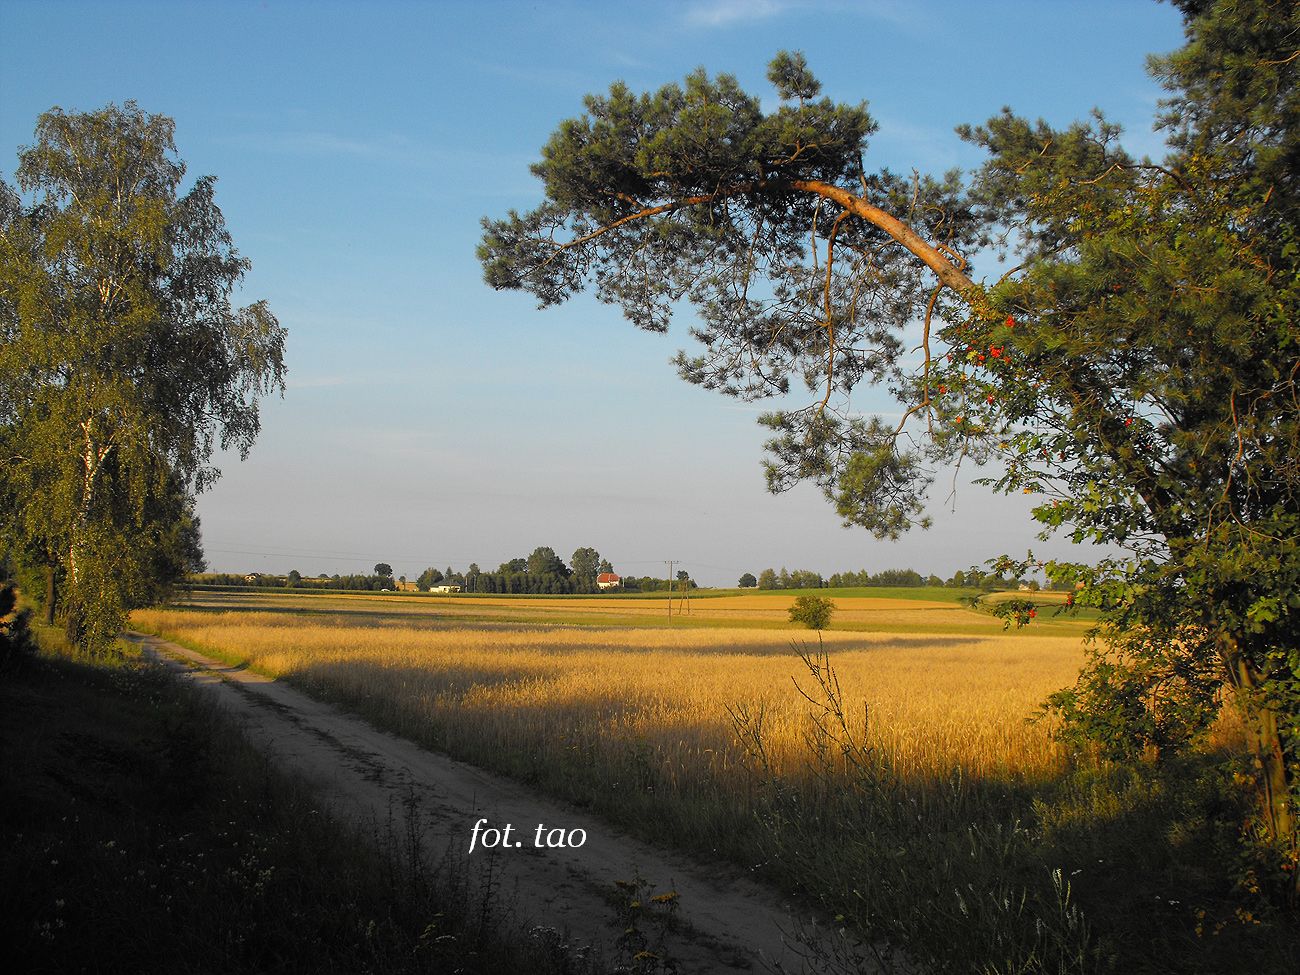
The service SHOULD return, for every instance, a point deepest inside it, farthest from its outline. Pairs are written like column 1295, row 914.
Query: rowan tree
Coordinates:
column 1135, row 370
column 123, row 363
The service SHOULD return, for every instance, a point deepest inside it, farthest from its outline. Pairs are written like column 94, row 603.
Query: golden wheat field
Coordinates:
column 466, row 675
column 692, row 732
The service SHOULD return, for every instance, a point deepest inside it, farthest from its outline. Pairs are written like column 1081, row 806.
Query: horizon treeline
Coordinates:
column 972, row 578
column 541, row 573
column 545, row 573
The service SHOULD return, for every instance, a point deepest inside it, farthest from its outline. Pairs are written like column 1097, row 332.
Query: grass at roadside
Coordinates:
column 138, row 832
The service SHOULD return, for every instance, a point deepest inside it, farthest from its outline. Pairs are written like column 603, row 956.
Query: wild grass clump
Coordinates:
column 942, row 878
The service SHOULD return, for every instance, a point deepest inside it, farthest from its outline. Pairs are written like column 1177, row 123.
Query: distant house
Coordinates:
column 608, row 580
column 407, row 586
column 444, row 589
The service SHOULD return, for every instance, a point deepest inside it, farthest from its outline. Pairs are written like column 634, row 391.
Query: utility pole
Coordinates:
column 670, row 564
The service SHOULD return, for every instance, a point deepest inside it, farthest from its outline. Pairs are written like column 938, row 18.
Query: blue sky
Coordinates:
column 431, row 421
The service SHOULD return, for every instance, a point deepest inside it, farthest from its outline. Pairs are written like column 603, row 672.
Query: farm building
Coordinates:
column 608, row 580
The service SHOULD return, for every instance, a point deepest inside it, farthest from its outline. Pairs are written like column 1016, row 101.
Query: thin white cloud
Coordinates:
column 722, row 13
column 728, row 13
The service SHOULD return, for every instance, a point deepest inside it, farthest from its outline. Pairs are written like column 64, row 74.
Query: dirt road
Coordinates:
column 371, row 777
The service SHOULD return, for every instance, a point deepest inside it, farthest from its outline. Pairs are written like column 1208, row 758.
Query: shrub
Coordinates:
column 15, row 637
column 813, row 612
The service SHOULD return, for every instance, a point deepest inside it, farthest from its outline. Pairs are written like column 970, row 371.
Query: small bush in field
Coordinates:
column 813, row 612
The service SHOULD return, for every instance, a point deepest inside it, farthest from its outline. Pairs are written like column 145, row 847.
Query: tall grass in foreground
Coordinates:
column 139, row 833
column 905, row 791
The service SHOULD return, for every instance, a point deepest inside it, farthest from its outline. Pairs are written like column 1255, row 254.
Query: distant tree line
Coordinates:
column 545, row 573
column 296, row 580
column 542, row 572
column 973, row 578
column 650, row 584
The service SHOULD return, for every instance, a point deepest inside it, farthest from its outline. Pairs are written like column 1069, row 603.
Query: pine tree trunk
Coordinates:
column 1272, row 775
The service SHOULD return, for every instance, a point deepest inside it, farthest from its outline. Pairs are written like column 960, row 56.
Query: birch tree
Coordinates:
column 124, row 364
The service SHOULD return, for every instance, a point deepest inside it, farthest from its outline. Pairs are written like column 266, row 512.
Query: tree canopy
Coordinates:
column 123, row 364
column 1135, row 370
column 585, row 564
column 813, row 612
column 544, row 562
column 763, row 224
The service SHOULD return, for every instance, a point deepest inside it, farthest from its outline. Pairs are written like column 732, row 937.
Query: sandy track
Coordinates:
column 371, row 776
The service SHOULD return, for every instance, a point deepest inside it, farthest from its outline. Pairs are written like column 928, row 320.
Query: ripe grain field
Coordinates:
column 907, row 793
column 473, row 675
